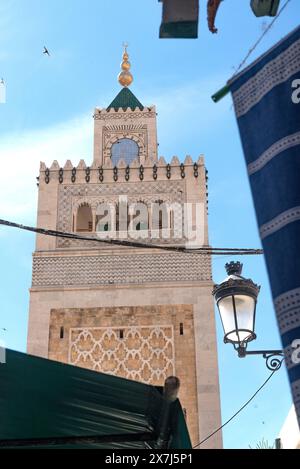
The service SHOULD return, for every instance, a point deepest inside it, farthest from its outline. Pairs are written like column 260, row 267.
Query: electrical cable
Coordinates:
column 240, row 410
column 201, row 250
column 260, row 38
column 216, row 97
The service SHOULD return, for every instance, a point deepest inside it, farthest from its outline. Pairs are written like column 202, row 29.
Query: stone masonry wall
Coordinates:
column 145, row 343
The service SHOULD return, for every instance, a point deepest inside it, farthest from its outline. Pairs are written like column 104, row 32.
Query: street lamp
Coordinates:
column 236, row 299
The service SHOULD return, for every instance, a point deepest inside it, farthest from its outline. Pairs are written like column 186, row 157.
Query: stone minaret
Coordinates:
column 136, row 312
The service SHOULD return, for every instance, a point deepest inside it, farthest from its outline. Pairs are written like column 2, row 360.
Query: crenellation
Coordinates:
column 200, row 160
column 81, row 164
column 161, row 161
column 128, row 110
column 175, row 161
column 54, row 166
column 68, row 165
column 188, row 160
column 160, row 170
column 94, row 165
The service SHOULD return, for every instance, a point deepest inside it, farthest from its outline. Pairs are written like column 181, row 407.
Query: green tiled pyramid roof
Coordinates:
column 125, row 99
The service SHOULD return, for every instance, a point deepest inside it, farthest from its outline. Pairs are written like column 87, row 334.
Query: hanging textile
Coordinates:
column 212, row 9
column 266, row 98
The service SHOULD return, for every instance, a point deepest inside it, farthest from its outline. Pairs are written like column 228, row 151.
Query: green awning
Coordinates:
column 51, row 404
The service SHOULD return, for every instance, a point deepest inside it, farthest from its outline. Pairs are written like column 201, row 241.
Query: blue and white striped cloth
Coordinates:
column 268, row 117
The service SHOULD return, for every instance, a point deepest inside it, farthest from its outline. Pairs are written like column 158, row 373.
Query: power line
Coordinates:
column 202, row 250
column 226, row 89
column 240, row 410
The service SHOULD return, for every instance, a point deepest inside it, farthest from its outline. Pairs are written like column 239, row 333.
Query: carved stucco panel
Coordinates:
column 135, row 352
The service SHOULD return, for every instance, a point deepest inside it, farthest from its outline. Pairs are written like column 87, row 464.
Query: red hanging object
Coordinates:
column 212, row 8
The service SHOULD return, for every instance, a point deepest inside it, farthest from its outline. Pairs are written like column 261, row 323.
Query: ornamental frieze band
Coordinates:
column 119, row 269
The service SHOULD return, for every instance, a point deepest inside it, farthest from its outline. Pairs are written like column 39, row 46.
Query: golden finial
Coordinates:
column 125, row 78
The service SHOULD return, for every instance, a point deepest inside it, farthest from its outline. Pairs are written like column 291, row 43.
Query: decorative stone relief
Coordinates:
column 62, row 271
column 140, row 353
column 124, row 115
column 71, row 196
column 112, row 134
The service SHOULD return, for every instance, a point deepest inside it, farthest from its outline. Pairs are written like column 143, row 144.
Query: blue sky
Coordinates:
column 48, row 115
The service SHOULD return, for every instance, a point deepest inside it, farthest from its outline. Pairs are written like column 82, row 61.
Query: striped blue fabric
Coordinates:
column 268, row 118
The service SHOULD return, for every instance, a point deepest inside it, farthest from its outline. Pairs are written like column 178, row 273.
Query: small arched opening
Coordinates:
column 84, row 218
column 161, row 218
column 139, row 216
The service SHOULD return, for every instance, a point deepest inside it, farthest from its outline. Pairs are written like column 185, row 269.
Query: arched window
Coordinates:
column 124, row 149
column 160, row 219
column 160, row 215
column 117, row 218
column 104, row 217
column 84, row 218
column 139, row 216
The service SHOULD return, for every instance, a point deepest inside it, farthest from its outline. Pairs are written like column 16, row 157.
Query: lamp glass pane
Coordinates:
column 245, row 306
column 227, row 315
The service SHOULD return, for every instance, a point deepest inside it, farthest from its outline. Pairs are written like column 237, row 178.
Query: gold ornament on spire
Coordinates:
column 125, row 78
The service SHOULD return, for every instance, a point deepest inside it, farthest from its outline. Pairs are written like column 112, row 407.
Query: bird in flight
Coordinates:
column 45, row 51
column 3, row 329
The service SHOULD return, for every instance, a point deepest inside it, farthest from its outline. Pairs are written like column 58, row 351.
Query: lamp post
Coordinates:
column 236, row 299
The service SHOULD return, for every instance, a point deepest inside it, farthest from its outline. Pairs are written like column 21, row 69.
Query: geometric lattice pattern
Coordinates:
column 119, row 269
column 144, row 353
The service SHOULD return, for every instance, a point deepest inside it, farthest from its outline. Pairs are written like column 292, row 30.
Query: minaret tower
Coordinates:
column 139, row 313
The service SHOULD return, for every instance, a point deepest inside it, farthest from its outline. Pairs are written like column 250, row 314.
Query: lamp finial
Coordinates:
column 234, row 268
